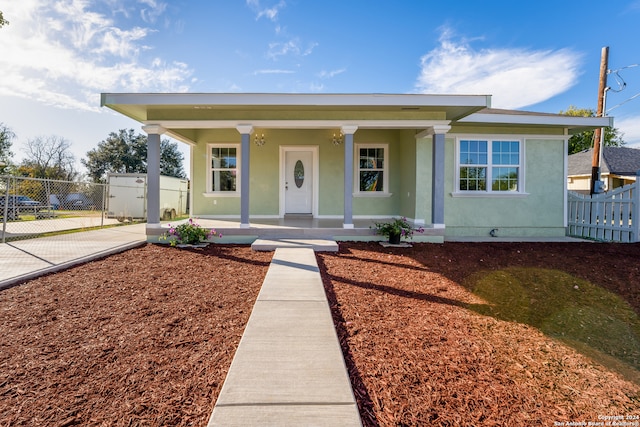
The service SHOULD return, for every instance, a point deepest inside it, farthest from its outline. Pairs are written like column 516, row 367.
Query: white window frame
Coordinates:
column 210, row 170
column 490, row 165
column 385, row 171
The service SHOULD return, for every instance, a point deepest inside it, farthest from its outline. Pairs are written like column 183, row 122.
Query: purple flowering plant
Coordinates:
column 399, row 226
column 188, row 233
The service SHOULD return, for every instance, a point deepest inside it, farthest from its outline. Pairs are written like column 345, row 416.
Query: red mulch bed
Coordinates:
column 417, row 355
column 146, row 337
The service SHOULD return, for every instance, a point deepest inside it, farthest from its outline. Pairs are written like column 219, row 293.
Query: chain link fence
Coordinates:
column 31, row 207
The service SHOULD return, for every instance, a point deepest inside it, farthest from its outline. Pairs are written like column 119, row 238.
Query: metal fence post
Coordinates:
column 5, row 214
column 104, row 205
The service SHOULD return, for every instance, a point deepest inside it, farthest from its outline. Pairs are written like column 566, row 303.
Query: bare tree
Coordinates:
column 49, row 157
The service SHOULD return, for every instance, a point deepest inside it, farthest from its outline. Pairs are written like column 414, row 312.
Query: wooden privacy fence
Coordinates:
column 612, row 216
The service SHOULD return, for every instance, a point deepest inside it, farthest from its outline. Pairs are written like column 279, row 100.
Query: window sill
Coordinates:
column 222, row 194
column 372, row 194
column 490, row 194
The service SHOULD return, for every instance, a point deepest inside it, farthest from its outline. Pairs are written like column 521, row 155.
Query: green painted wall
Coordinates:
column 537, row 214
column 540, row 213
column 265, row 169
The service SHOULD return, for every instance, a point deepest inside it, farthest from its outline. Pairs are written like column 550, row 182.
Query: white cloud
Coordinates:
column 271, row 71
column 291, row 47
column 65, row 54
column 270, row 13
column 630, row 127
column 154, row 10
column 277, row 49
column 514, row 77
column 310, row 48
column 330, row 74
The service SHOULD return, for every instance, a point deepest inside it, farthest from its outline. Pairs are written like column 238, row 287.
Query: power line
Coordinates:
column 621, row 85
column 623, row 102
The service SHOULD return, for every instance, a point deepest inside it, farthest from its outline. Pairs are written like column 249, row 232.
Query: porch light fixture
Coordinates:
column 259, row 141
column 337, row 139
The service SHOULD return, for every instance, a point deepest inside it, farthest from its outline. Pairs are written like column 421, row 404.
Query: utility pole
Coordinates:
column 598, row 141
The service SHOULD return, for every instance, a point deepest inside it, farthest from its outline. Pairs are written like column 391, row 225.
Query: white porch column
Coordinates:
column 348, row 132
column 245, row 146
column 154, row 132
column 438, row 167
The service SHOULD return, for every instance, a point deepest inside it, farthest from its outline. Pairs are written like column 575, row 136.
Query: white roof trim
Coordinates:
column 534, row 119
column 268, row 99
column 297, row 124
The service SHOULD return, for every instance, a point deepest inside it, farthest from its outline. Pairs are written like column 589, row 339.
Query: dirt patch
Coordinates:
column 146, row 337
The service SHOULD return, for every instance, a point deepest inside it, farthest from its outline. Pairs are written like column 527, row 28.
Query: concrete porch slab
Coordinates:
column 318, row 245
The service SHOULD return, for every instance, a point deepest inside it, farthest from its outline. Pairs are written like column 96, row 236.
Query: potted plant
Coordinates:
column 397, row 229
column 189, row 233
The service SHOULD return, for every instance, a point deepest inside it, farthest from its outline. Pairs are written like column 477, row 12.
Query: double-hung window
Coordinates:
column 223, row 169
column 490, row 165
column 372, row 169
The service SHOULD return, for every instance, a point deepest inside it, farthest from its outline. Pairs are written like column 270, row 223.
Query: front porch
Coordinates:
column 295, row 228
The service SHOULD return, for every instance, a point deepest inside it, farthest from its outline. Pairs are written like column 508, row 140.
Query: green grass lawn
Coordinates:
column 587, row 317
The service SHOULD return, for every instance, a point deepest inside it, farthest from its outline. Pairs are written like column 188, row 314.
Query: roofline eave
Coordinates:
column 293, row 99
column 571, row 122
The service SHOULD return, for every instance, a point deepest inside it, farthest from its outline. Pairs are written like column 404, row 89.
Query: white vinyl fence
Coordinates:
column 613, row 216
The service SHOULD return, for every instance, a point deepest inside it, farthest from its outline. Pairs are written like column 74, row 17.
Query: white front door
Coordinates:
column 298, row 182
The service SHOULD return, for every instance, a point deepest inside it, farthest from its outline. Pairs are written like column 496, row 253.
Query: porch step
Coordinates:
column 318, row 245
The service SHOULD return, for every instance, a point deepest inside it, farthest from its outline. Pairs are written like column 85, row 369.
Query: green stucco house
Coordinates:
column 337, row 162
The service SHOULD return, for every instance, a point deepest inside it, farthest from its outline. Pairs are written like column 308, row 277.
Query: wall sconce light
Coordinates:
column 337, row 139
column 259, row 141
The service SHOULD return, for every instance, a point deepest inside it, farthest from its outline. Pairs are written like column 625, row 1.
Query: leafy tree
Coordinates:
column 2, row 20
column 584, row 140
column 171, row 159
column 48, row 157
column 126, row 152
column 6, row 137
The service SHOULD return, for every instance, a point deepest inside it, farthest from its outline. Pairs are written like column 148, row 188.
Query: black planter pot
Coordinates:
column 394, row 238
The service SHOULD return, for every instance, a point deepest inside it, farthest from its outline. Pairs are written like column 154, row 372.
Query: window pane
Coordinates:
column 506, row 152
column 371, row 181
column 473, row 179
column 223, row 181
column 473, row 152
column 379, row 154
column 372, row 158
column 504, row 179
column 231, row 157
column 224, row 158
column 215, row 157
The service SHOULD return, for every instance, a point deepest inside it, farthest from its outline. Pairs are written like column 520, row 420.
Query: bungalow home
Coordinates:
column 618, row 167
column 449, row 163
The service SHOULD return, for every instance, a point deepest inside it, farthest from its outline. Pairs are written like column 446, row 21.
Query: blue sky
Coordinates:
column 57, row 57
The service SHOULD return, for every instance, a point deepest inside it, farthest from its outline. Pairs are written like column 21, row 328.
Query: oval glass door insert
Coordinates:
column 298, row 173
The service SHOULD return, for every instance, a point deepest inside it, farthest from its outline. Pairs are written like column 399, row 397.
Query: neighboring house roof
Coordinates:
column 623, row 161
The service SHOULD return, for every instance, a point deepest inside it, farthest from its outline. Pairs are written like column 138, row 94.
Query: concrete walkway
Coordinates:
column 288, row 369
column 26, row 259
